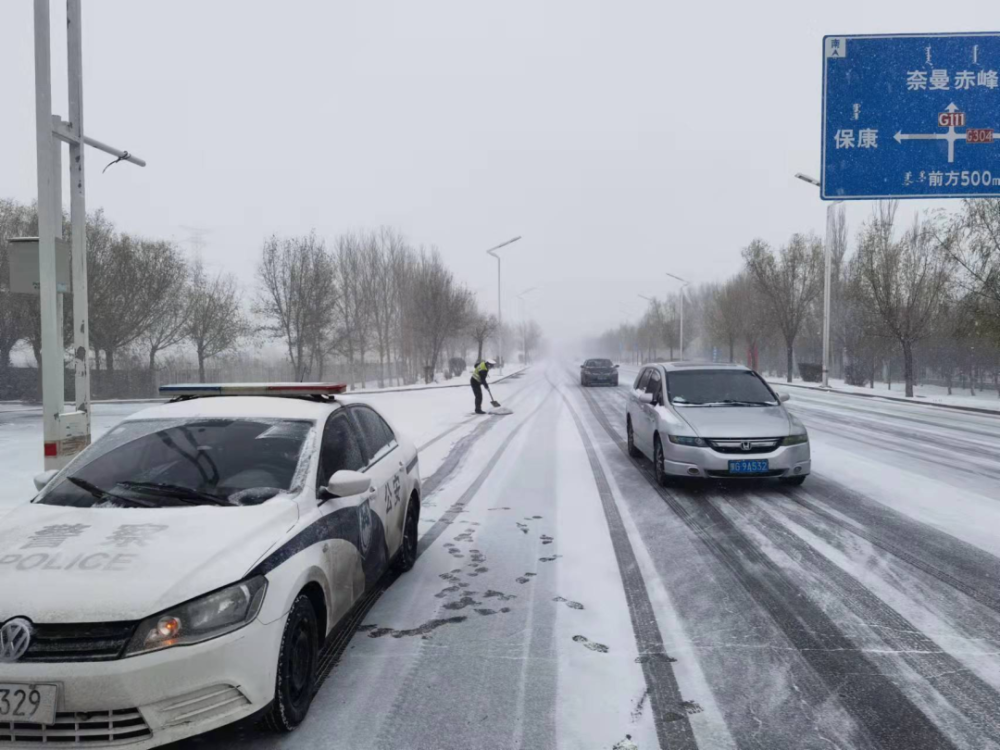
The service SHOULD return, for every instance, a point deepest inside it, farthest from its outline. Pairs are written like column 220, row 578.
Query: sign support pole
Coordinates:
column 65, row 433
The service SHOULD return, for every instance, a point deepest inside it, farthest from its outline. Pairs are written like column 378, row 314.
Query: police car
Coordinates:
column 183, row 572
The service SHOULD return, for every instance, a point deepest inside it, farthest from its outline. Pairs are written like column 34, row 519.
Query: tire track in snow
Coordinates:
column 976, row 700
column 876, row 703
column 673, row 728
column 957, row 564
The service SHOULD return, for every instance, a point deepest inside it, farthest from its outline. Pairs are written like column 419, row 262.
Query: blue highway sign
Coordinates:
column 911, row 116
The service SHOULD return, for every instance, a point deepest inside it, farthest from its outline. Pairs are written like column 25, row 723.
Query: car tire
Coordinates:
column 632, row 450
column 615, row 383
column 406, row 558
column 662, row 478
column 794, row 481
column 298, row 656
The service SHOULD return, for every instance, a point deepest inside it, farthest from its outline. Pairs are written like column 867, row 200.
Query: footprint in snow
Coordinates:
column 523, row 528
column 691, row 707
column 592, row 645
column 500, row 508
column 491, row 594
column 546, row 539
column 525, row 578
column 568, row 603
column 549, row 559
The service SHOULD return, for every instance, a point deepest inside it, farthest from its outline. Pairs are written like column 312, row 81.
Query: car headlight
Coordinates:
column 685, row 440
column 799, row 439
column 201, row 619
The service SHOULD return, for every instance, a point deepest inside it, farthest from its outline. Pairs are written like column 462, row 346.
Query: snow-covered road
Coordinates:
column 563, row 599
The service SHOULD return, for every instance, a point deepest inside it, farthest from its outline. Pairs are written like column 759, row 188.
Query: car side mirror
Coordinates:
column 345, row 483
column 783, row 397
column 41, row 480
column 617, row 366
column 645, row 398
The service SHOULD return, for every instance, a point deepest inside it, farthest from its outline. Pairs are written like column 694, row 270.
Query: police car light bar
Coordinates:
column 194, row 390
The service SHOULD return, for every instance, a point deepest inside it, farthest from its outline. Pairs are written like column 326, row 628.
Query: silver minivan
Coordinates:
column 714, row 421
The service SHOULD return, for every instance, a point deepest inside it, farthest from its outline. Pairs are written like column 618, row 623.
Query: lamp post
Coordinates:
column 827, row 275
column 685, row 285
column 493, row 251
column 524, row 331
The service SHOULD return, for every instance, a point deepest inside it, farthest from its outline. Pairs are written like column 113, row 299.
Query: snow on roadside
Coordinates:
column 923, row 394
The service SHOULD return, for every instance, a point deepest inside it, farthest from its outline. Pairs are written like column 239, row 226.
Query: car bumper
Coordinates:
column 601, row 379
column 682, row 460
column 149, row 700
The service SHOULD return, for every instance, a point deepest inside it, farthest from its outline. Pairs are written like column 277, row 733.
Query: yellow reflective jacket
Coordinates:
column 479, row 372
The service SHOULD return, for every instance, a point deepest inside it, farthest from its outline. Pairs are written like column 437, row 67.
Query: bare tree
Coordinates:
column 726, row 312
column 440, row 308
column 296, row 295
column 169, row 327
column 14, row 308
column 216, row 322
column 789, row 281
column 353, row 304
column 482, row 328
column 531, row 337
column 129, row 281
column 907, row 279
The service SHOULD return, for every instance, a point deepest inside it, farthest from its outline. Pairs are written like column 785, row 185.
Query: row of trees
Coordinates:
column 368, row 297
column 924, row 299
column 143, row 293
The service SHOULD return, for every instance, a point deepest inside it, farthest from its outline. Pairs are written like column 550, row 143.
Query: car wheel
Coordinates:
column 794, row 481
column 615, row 383
column 632, row 450
column 662, row 478
column 297, row 658
column 407, row 555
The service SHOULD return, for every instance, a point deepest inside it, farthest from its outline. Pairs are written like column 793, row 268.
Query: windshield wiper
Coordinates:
column 177, row 491
column 733, row 402
column 100, row 494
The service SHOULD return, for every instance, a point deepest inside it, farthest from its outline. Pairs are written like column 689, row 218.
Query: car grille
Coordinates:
column 742, row 475
column 92, row 641
column 756, row 445
column 96, row 728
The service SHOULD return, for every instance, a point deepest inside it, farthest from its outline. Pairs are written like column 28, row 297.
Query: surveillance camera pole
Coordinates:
column 65, row 433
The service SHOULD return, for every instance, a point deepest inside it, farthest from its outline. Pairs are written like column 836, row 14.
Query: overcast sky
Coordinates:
column 621, row 139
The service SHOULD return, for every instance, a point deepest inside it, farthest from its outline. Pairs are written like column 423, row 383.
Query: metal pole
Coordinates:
column 48, row 227
column 78, row 214
column 682, row 322
column 499, row 319
column 827, row 274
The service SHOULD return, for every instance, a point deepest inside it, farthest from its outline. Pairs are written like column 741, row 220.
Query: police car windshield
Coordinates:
column 169, row 462
column 718, row 388
column 598, row 363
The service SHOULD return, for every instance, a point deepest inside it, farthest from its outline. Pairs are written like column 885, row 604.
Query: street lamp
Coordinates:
column 827, row 275
column 685, row 284
column 524, row 332
column 493, row 251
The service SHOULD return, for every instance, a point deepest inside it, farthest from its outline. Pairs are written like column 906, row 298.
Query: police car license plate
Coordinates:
column 748, row 467
column 28, row 704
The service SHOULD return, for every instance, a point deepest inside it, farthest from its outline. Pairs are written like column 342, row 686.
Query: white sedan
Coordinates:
column 183, row 572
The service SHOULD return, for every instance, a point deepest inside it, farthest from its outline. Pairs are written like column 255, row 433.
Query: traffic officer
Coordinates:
column 479, row 374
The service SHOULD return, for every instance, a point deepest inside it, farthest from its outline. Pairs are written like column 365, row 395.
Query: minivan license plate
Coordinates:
column 28, row 704
column 748, row 467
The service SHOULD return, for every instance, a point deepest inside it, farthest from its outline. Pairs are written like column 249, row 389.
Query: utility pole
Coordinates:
column 493, row 251
column 827, row 276
column 686, row 284
column 65, row 433
column 524, row 329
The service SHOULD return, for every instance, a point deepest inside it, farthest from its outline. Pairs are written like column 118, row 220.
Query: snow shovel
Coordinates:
column 497, row 409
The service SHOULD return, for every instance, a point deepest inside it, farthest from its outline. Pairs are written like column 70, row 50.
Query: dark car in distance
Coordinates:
column 598, row 372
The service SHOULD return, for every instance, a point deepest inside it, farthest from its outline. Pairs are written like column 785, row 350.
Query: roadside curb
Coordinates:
column 911, row 402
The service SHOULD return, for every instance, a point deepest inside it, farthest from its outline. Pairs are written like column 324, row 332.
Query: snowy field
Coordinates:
column 562, row 599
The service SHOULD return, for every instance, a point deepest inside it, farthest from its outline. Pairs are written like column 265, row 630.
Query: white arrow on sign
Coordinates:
column 951, row 136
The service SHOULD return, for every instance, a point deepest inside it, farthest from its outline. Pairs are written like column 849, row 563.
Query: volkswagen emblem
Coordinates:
column 15, row 637
column 745, row 445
